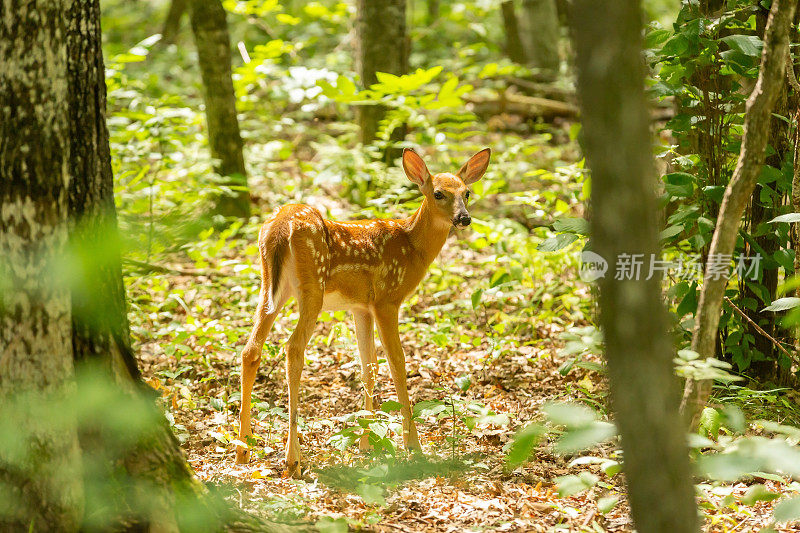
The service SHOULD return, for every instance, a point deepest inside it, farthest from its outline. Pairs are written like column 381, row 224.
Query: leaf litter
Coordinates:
column 190, row 326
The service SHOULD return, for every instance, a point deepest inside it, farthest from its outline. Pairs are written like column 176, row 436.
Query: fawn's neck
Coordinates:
column 428, row 232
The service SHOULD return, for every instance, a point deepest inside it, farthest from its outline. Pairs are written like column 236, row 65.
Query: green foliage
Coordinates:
column 706, row 66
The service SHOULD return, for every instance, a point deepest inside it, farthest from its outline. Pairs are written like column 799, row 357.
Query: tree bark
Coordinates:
column 40, row 485
column 514, row 49
column 381, row 47
column 737, row 194
column 617, row 144
column 433, row 11
column 172, row 24
column 57, row 209
column 210, row 29
column 541, row 35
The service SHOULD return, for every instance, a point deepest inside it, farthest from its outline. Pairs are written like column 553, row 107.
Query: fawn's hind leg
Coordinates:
column 310, row 303
column 365, row 337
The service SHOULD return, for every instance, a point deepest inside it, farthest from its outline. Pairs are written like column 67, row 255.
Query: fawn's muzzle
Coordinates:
column 462, row 221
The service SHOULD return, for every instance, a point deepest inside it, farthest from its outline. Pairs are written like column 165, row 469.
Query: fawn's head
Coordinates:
column 447, row 194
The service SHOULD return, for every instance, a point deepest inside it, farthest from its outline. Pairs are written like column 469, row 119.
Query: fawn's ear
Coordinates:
column 473, row 169
column 415, row 167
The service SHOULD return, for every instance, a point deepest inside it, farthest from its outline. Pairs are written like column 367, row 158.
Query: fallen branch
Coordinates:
column 528, row 106
column 547, row 90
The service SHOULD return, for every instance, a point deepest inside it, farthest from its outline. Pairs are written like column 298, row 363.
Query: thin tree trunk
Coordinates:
column 381, row 47
column 541, row 35
column 738, row 192
column 514, row 49
column 40, row 485
column 618, row 147
column 210, row 29
column 172, row 24
column 433, row 11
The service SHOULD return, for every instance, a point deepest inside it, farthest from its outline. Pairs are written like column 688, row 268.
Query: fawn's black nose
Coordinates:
column 463, row 220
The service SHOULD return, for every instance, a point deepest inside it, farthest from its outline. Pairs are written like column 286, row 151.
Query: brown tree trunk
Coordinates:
column 639, row 349
column 737, row 194
column 433, row 11
column 514, row 49
column 210, row 29
column 381, row 47
column 172, row 24
column 40, row 482
column 540, row 35
column 58, row 213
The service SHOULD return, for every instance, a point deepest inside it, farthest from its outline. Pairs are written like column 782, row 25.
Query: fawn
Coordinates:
column 367, row 267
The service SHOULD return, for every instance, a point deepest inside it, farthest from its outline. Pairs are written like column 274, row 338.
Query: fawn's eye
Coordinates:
column 438, row 195
column 466, row 195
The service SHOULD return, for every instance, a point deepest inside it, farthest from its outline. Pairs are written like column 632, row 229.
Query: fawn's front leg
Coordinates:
column 387, row 317
column 365, row 338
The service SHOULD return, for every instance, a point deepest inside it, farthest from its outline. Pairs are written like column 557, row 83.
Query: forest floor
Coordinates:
column 462, row 483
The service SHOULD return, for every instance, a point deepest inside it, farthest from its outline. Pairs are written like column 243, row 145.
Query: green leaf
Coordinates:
column 558, row 242
column 476, row 298
column 689, row 302
column 523, row 443
column 783, row 304
column 582, row 438
column 569, row 414
column 715, row 192
column 427, row 408
column 749, row 45
column 787, row 510
column 390, row 405
column 679, row 184
column 572, row 225
column 372, row 494
column 463, row 382
column 675, row 46
column 326, row 524
column 379, row 429
column 788, row 217
column 710, row 422
column 655, row 37
column 607, row 503
column 569, row 485
column 758, row 493
column 670, row 232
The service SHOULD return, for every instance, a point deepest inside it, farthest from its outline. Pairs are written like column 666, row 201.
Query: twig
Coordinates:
column 764, row 333
column 275, row 362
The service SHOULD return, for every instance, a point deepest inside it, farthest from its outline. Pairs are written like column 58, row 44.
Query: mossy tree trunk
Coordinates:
column 172, row 24
column 41, row 486
column 381, row 44
column 432, row 14
column 639, row 350
column 62, row 303
column 540, row 35
column 513, row 47
column 210, row 29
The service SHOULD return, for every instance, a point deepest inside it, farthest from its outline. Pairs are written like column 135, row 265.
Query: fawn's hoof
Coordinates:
column 294, row 469
column 242, row 456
